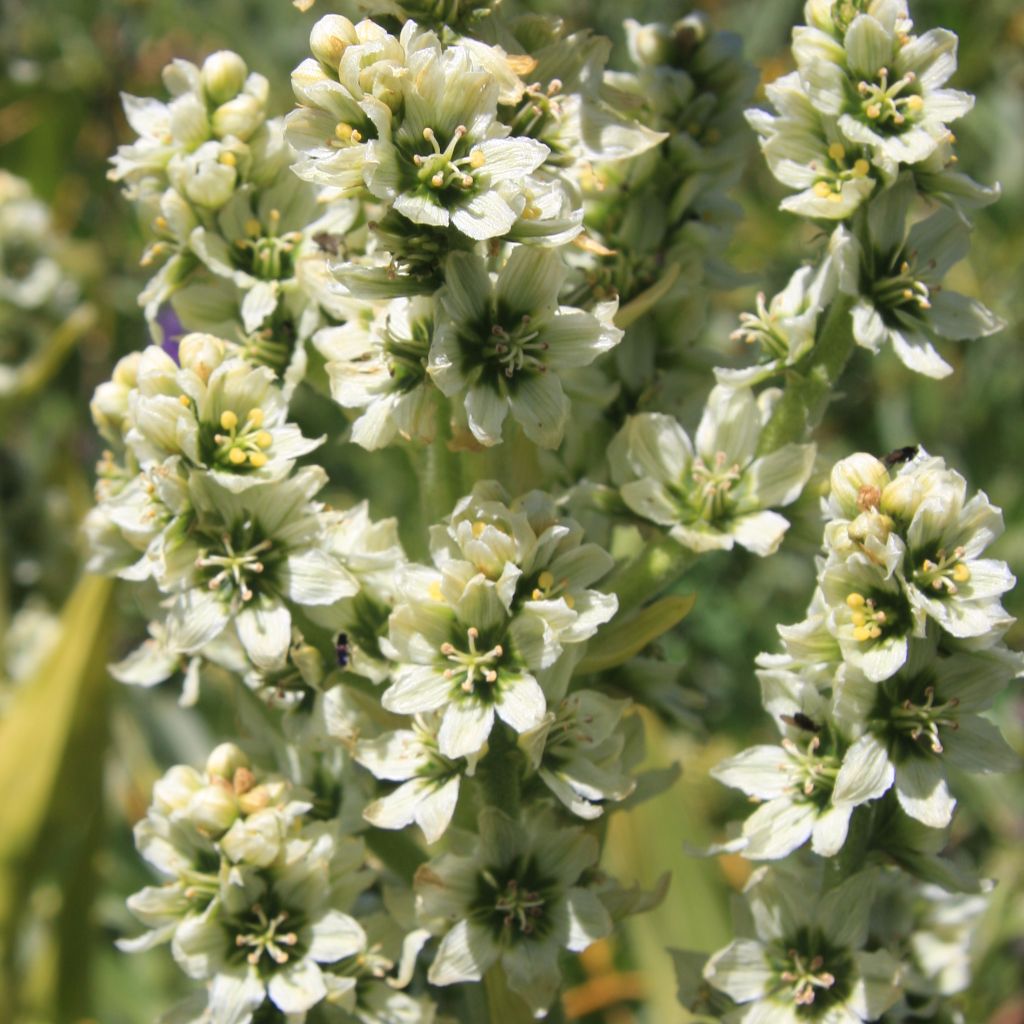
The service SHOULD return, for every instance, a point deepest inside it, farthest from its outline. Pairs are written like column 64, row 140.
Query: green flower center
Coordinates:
column 814, row 775
column 942, row 572
column 876, row 616
column 513, row 901
column 238, row 445
column 903, row 290
column 264, row 935
column 236, row 568
column 712, row 485
column 473, row 666
column 264, row 253
column 517, row 348
column 882, row 104
column 407, row 356
column 813, row 974
column 444, row 169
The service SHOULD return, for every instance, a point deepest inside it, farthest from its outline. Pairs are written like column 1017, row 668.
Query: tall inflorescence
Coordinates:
column 885, row 684
column 468, row 238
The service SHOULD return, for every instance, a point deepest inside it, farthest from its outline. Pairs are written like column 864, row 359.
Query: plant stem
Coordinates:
column 808, row 389
column 500, row 773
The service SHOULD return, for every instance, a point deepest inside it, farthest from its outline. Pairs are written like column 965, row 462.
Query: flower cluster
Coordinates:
column 239, row 239
column 879, row 691
column 253, row 884
column 860, row 129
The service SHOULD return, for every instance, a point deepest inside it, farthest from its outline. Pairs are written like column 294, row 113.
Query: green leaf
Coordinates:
column 35, row 735
column 628, row 636
column 503, row 1005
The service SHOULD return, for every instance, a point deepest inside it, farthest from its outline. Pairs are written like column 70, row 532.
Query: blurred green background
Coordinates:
column 78, row 753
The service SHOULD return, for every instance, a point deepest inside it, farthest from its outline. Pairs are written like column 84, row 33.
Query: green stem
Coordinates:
column 808, row 388
column 441, row 478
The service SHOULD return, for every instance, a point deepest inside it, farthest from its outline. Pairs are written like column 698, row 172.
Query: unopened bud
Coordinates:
column 330, row 37
column 202, row 354
column 225, row 760
column 223, row 75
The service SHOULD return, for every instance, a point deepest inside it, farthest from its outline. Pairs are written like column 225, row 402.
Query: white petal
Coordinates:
column 465, row 728
column 866, row 772
column 465, row 953
column 265, row 632
column 335, row 935
column 521, row 703
column 922, row 791
column 297, row 987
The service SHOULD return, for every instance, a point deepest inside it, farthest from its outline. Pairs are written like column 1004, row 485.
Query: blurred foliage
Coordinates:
column 78, row 757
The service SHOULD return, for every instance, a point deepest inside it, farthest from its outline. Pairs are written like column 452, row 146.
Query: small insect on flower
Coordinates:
column 341, row 649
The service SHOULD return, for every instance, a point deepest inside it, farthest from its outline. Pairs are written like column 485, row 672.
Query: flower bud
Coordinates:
column 223, row 75
column 175, row 789
column 857, row 483
column 213, row 809
column 202, row 354
column 203, row 177
column 648, row 44
column 239, row 117
column 227, row 757
column 109, row 404
column 330, row 37
column 915, row 483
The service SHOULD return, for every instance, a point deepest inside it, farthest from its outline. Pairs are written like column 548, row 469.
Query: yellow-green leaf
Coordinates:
column 626, row 637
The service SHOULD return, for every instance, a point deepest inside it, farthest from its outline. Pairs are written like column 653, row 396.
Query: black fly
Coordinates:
column 801, row 721
column 894, row 458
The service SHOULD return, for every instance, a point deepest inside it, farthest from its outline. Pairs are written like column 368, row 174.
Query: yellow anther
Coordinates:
column 835, row 197
column 257, row 459
column 855, row 600
column 915, row 104
column 837, row 151
column 858, row 618
column 478, row 528
column 255, row 417
column 570, row 601
column 477, row 159
column 862, row 634
column 822, row 189
column 861, row 168
column 876, row 632
column 873, row 111
column 344, row 131
column 546, row 580
column 434, row 590
column 228, row 419
column 961, row 573
column 253, row 228
column 228, row 159
column 537, row 595
column 185, row 401
column 264, row 439
column 237, row 456
column 160, row 223
column 437, row 180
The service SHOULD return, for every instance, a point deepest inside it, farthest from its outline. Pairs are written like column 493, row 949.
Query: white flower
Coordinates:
column 785, row 327
column 220, row 102
column 516, row 899
column 502, row 343
column 808, row 960
column 460, row 658
column 909, row 726
column 430, row 782
column 717, row 491
column 378, row 363
column 577, row 751
column 232, row 423
column 244, row 558
column 269, row 934
column 415, row 123
column 805, row 150
column 883, row 85
column 896, row 277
